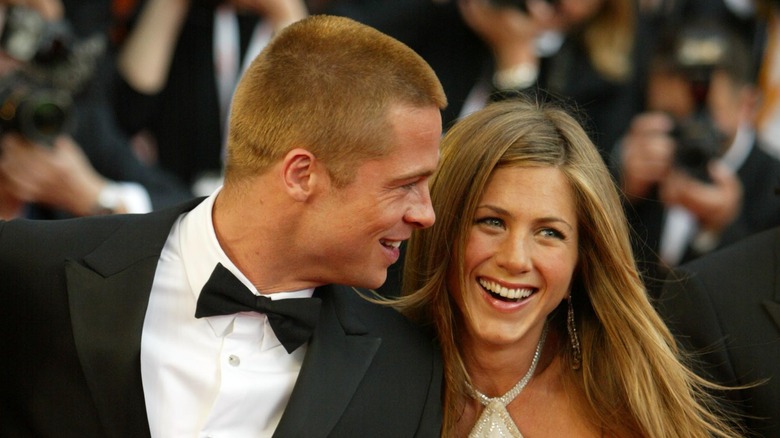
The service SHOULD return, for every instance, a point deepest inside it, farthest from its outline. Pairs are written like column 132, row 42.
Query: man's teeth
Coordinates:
column 392, row 244
column 512, row 294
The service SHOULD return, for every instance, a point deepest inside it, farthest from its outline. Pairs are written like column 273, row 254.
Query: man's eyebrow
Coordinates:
column 414, row 175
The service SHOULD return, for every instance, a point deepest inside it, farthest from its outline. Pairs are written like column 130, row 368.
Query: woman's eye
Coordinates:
column 551, row 232
column 491, row 222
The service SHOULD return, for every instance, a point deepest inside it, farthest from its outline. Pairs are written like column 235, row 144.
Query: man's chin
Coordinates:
column 374, row 282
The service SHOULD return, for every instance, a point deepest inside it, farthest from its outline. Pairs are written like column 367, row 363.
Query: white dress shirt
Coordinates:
column 220, row 376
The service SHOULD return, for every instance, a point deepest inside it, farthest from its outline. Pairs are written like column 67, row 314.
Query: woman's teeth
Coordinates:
column 503, row 292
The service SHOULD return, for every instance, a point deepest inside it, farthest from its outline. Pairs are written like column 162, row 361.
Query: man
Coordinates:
column 108, row 330
column 725, row 308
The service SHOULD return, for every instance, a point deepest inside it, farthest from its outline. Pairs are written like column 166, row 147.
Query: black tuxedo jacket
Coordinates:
column 726, row 306
column 75, row 294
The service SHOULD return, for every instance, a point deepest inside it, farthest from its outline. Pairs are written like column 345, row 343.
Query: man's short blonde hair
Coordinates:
column 324, row 84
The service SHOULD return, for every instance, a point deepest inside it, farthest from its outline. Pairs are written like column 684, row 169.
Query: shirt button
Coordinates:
column 234, row 360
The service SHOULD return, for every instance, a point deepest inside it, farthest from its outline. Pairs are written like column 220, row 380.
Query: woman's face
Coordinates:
column 520, row 255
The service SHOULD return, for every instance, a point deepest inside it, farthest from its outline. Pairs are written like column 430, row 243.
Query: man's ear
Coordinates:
column 301, row 173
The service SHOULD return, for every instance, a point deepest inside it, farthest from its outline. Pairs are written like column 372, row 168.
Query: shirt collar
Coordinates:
column 200, row 253
column 740, row 148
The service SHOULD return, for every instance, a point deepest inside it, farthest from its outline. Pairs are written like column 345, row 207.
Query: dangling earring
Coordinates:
column 575, row 340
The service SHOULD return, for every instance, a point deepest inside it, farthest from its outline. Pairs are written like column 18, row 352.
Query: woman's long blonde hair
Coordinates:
column 632, row 379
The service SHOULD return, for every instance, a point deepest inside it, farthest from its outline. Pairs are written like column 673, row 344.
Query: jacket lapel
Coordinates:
column 107, row 317
column 108, row 296
column 338, row 356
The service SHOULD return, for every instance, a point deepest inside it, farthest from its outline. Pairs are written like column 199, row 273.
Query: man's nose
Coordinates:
column 421, row 213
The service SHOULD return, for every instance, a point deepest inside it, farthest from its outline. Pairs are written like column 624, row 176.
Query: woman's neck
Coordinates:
column 495, row 369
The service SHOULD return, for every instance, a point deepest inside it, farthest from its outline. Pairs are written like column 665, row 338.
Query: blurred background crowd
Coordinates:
column 120, row 105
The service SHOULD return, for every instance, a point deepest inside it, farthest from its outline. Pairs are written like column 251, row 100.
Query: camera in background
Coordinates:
column 698, row 142
column 695, row 53
column 36, row 99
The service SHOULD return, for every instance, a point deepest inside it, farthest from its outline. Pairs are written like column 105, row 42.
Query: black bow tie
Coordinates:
column 292, row 320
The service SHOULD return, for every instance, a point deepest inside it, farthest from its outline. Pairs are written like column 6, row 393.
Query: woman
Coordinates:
column 529, row 280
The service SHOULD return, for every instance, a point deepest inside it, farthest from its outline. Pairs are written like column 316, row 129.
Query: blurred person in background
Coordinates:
column 691, row 168
column 583, row 52
column 178, row 66
column 579, row 51
column 61, row 153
